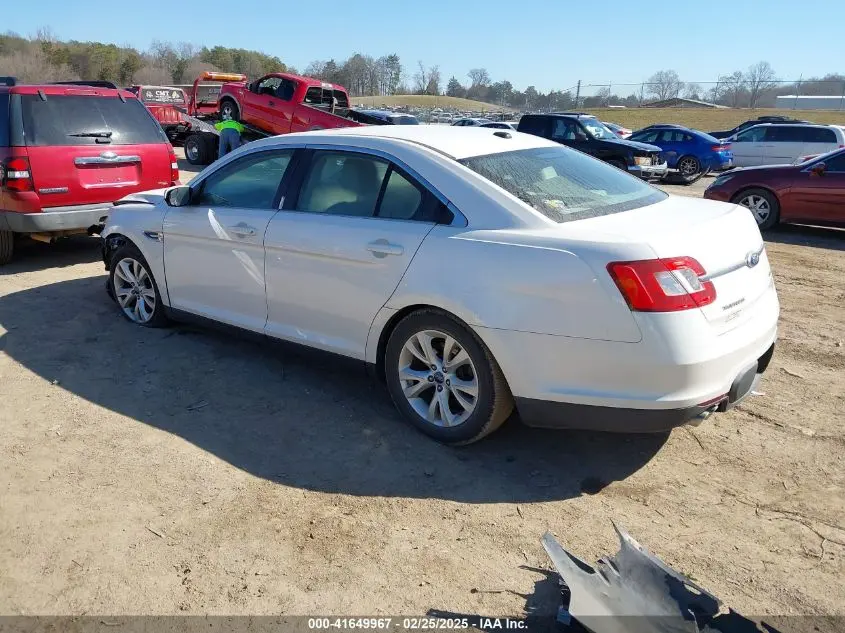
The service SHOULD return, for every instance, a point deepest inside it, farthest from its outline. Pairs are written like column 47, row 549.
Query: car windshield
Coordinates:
column 564, row 185
column 597, row 129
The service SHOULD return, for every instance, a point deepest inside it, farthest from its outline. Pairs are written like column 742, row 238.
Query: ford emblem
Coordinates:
column 752, row 259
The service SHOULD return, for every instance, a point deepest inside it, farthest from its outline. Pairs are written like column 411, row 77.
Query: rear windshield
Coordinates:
column 87, row 120
column 4, row 119
column 565, row 185
column 167, row 96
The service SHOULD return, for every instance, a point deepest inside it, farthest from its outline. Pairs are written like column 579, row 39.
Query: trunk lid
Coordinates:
column 89, row 149
column 723, row 238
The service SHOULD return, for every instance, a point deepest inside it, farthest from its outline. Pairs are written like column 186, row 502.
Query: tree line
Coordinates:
column 43, row 57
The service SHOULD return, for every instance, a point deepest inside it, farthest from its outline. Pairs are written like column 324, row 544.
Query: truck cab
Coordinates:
column 281, row 103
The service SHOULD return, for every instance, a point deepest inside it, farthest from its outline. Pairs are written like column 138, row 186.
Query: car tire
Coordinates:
column 134, row 289
column 227, row 106
column 763, row 204
column 197, row 150
column 470, row 416
column 7, row 246
column 689, row 169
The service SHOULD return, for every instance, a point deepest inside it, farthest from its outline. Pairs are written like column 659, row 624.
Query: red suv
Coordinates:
column 67, row 152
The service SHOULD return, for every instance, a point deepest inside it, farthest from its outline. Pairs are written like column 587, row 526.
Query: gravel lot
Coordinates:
column 186, row 471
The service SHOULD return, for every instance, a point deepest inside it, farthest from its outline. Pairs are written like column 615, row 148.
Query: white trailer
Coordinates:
column 797, row 102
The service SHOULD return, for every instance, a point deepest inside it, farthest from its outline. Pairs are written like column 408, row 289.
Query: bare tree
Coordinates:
column 34, row 67
column 759, row 79
column 664, row 84
column 433, row 86
column 693, row 91
column 478, row 77
column 730, row 89
column 152, row 75
column 421, row 79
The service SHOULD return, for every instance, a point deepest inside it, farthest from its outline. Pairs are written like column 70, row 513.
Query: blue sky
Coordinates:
column 545, row 43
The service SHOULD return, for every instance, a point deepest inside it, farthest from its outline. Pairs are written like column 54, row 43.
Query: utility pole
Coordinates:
column 577, row 94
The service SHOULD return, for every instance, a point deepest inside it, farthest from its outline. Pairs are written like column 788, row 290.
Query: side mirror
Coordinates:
column 818, row 169
column 178, row 196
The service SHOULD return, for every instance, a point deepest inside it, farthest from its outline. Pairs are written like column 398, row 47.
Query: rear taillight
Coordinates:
column 721, row 148
column 174, row 168
column 16, row 174
column 662, row 285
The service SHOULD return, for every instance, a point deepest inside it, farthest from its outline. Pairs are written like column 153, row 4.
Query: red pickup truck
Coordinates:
column 280, row 103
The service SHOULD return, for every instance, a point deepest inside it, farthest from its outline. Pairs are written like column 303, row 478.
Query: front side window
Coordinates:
column 564, row 185
column 286, row 89
column 87, row 120
column 645, row 137
column 268, row 86
column 565, row 130
column 597, row 129
column 754, row 135
column 250, row 182
column 835, row 163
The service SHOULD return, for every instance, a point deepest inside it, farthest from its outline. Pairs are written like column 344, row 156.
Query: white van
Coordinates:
column 782, row 144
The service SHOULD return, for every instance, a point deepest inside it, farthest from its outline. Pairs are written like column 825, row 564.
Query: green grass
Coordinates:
column 428, row 102
column 706, row 119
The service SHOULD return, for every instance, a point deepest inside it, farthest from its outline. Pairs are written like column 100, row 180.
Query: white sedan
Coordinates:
column 474, row 270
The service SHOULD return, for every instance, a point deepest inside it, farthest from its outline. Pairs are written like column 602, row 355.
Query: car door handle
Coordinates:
column 244, row 230
column 383, row 248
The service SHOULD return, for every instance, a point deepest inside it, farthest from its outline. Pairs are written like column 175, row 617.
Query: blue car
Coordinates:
column 689, row 153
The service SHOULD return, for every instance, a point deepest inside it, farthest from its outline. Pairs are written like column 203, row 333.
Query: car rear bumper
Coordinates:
column 55, row 219
column 550, row 414
column 649, row 171
column 681, row 368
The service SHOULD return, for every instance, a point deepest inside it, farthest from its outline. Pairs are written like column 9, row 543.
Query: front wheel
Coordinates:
column 444, row 380
column 764, row 206
column 134, row 288
column 229, row 110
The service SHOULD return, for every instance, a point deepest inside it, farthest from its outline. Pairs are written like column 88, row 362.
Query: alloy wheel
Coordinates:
column 438, row 378
column 134, row 291
column 758, row 205
column 688, row 167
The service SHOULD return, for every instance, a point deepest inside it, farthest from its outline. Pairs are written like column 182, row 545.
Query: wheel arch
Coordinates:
column 233, row 99
column 118, row 235
column 765, row 188
column 393, row 320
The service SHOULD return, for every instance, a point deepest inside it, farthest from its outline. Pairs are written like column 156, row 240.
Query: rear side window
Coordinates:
column 5, row 139
column 87, row 120
column 534, row 125
column 342, row 99
column 819, row 135
column 564, row 185
column 786, row 134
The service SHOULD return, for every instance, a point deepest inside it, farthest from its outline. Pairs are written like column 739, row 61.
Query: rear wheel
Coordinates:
column 444, row 380
column 197, row 149
column 229, row 109
column 764, row 206
column 7, row 246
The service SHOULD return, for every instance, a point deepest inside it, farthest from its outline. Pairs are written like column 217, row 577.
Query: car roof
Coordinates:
column 457, row 143
column 66, row 89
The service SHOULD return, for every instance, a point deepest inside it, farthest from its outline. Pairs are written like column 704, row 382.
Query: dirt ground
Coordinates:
column 187, row 471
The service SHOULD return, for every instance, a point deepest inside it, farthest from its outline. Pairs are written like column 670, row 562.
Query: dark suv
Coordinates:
column 67, row 152
column 586, row 133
